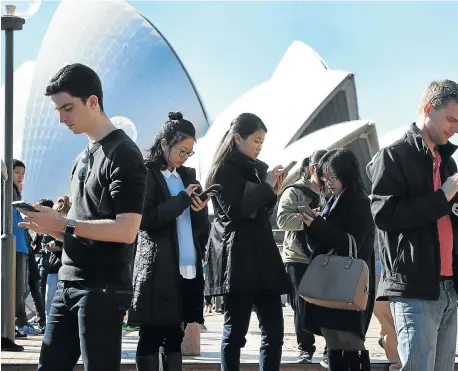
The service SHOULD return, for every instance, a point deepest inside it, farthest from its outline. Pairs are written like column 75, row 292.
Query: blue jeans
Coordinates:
column 238, row 309
column 426, row 330
column 85, row 322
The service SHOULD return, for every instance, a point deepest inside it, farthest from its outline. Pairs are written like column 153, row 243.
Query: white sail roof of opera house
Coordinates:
column 142, row 78
column 346, row 134
column 302, row 95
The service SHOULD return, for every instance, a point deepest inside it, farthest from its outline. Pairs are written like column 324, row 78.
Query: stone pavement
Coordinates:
column 210, row 344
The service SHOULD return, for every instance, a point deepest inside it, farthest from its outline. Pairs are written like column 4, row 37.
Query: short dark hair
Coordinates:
column 79, row 81
column 18, row 163
column 46, row 202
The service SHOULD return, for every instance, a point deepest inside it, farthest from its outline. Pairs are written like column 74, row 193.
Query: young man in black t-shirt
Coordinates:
column 107, row 191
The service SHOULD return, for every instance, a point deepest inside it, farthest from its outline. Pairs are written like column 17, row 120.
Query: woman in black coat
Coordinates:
column 347, row 212
column 167, row 279
column 244, row 263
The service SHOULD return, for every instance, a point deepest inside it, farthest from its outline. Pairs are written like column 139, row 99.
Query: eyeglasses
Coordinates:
column 183, row 153
column 84, row 160
column 330, row 178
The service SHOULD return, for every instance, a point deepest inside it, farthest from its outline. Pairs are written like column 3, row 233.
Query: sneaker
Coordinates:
column 325, row 361
column 29, row 330
column 41, row 329
column 19, row 334
column 305, row 357
column 10, row 346
column 34, row 320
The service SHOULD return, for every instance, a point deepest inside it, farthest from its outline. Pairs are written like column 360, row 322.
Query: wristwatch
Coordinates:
column 70, row 227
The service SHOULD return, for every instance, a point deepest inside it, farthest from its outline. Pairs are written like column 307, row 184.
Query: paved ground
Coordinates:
column 210, row 342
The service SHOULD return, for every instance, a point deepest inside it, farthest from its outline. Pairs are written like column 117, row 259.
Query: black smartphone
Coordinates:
column 24, row 206
column 210, row 191
column 306, row 209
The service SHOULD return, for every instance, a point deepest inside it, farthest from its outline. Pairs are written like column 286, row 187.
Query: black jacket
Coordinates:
column 351, row 214
column 51, row 261
column 158, row 296
column 242, row 254
column 406, row 210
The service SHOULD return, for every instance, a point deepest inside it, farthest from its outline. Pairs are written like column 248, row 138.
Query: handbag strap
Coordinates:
column 352, row 249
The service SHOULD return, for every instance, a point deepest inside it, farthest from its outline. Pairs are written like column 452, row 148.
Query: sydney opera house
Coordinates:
column 305, row 104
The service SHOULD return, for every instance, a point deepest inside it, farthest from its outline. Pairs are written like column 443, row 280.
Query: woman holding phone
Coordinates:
column 346, row 212
column 167, row 279
column 244, row 264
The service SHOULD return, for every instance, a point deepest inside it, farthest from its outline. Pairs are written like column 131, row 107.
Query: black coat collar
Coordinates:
column 415, row 139
column 247, row 164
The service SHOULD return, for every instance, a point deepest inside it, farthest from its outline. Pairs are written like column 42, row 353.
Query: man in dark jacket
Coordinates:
column 415, row 208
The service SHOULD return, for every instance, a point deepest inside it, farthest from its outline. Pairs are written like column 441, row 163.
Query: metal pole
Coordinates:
column 10, row 23
column 8, row 240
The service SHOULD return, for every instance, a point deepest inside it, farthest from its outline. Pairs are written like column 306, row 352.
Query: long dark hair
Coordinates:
column 245, row 125
column 345, row 166
column 173, row 131
column 312, row 160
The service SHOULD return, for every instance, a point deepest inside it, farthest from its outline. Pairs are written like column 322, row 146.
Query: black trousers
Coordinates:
column 152, row 338
column 305, row 339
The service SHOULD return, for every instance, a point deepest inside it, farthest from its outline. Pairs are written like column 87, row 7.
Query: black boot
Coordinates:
column 336, row 360
column 9, row 345
column 171, row 361
column 147, row 363
column 358, row 360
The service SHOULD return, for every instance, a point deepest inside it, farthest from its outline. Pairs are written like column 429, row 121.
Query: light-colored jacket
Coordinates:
column 289, row 220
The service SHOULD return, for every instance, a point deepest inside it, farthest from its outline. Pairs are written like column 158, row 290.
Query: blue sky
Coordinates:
column 393, row 48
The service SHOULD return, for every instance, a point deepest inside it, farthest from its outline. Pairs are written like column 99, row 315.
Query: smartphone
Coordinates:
column 289, row 167
column 306, row 209
column 24, row 206
column 210, row 191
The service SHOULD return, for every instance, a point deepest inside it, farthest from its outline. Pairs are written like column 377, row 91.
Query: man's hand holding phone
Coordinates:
column 308, row 215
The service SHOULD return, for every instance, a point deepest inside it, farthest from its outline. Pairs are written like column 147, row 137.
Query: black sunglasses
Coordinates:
column 84, row 160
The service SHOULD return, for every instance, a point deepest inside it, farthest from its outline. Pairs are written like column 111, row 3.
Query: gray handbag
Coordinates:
column 337, row 282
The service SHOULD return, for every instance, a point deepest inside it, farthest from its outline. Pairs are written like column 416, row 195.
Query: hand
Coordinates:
column 272, row 175
column 450, row 187
column 198, row 204
column 308, row 220
column 190, row 190
column 44, row 221
column 52, row 246
column 279, row 185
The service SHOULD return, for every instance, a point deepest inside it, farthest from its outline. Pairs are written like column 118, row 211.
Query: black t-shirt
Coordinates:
column 114, row 184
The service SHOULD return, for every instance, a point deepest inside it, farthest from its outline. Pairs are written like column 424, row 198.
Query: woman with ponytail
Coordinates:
column 168, row 279
column 244, row 264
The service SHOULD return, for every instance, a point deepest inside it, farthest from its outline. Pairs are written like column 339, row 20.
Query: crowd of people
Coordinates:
column 134, row 235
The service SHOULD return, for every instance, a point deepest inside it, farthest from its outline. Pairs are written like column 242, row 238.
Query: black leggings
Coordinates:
column 154, row 337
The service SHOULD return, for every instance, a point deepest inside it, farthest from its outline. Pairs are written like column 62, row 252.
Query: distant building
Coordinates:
column 143, row 79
